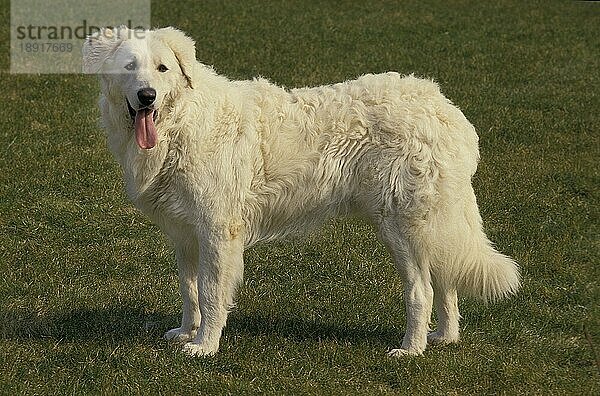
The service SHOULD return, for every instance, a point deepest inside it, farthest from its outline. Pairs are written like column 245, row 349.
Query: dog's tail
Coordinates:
column 487, row 274
column 471, row 265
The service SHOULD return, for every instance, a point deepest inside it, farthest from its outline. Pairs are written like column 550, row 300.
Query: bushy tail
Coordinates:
column 486, row 274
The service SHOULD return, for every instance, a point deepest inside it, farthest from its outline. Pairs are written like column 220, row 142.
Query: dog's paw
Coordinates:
column 180, row 335
column 400, row 352
column 197, row 350
column 437, row 338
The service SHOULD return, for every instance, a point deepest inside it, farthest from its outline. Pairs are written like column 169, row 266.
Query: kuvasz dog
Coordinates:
column 220, row 165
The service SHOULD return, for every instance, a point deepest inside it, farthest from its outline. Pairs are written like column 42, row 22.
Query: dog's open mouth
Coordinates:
column 143, row 123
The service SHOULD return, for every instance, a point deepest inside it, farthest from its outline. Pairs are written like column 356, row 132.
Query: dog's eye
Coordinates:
column 162, row 68
column 130, row 66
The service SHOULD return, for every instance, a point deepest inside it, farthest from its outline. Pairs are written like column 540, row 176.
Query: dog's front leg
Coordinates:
column 187, row 265
column 220, row 271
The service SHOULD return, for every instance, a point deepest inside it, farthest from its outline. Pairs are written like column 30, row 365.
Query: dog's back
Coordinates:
column 356, row 146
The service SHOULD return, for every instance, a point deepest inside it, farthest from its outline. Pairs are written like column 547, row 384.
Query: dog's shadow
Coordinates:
column 300, row 329
column 135, row 324
column 111, row 323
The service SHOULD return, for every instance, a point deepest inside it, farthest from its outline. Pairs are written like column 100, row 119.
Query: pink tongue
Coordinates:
column 145, row 131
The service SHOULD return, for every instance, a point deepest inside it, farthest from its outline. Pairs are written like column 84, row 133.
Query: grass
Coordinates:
column 88, row 285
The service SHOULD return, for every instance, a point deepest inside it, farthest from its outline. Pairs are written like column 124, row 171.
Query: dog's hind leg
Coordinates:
column 220, row 272
column 418, row 292
column 446, row 308
column 187, row 263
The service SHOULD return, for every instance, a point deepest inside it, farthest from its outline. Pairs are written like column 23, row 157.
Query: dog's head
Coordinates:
column 141, row 71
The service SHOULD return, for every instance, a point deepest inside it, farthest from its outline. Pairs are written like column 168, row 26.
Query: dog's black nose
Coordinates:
column 146, row 96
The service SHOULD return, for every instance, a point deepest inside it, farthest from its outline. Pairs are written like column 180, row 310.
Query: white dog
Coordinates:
column 220, row 165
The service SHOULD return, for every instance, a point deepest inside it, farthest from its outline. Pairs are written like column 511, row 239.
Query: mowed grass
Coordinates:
column 88, row 286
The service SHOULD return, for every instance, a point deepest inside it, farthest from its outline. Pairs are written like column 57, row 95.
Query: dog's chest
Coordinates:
column 158, row 188
column 171, row 215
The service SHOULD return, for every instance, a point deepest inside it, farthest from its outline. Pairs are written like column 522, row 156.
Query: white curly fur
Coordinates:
column 238, row 162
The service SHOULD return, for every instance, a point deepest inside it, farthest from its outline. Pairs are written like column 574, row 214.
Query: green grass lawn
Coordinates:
column 88, row 286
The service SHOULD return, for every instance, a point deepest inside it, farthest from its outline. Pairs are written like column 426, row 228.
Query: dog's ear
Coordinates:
column 99, row 46
column 184, row 49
